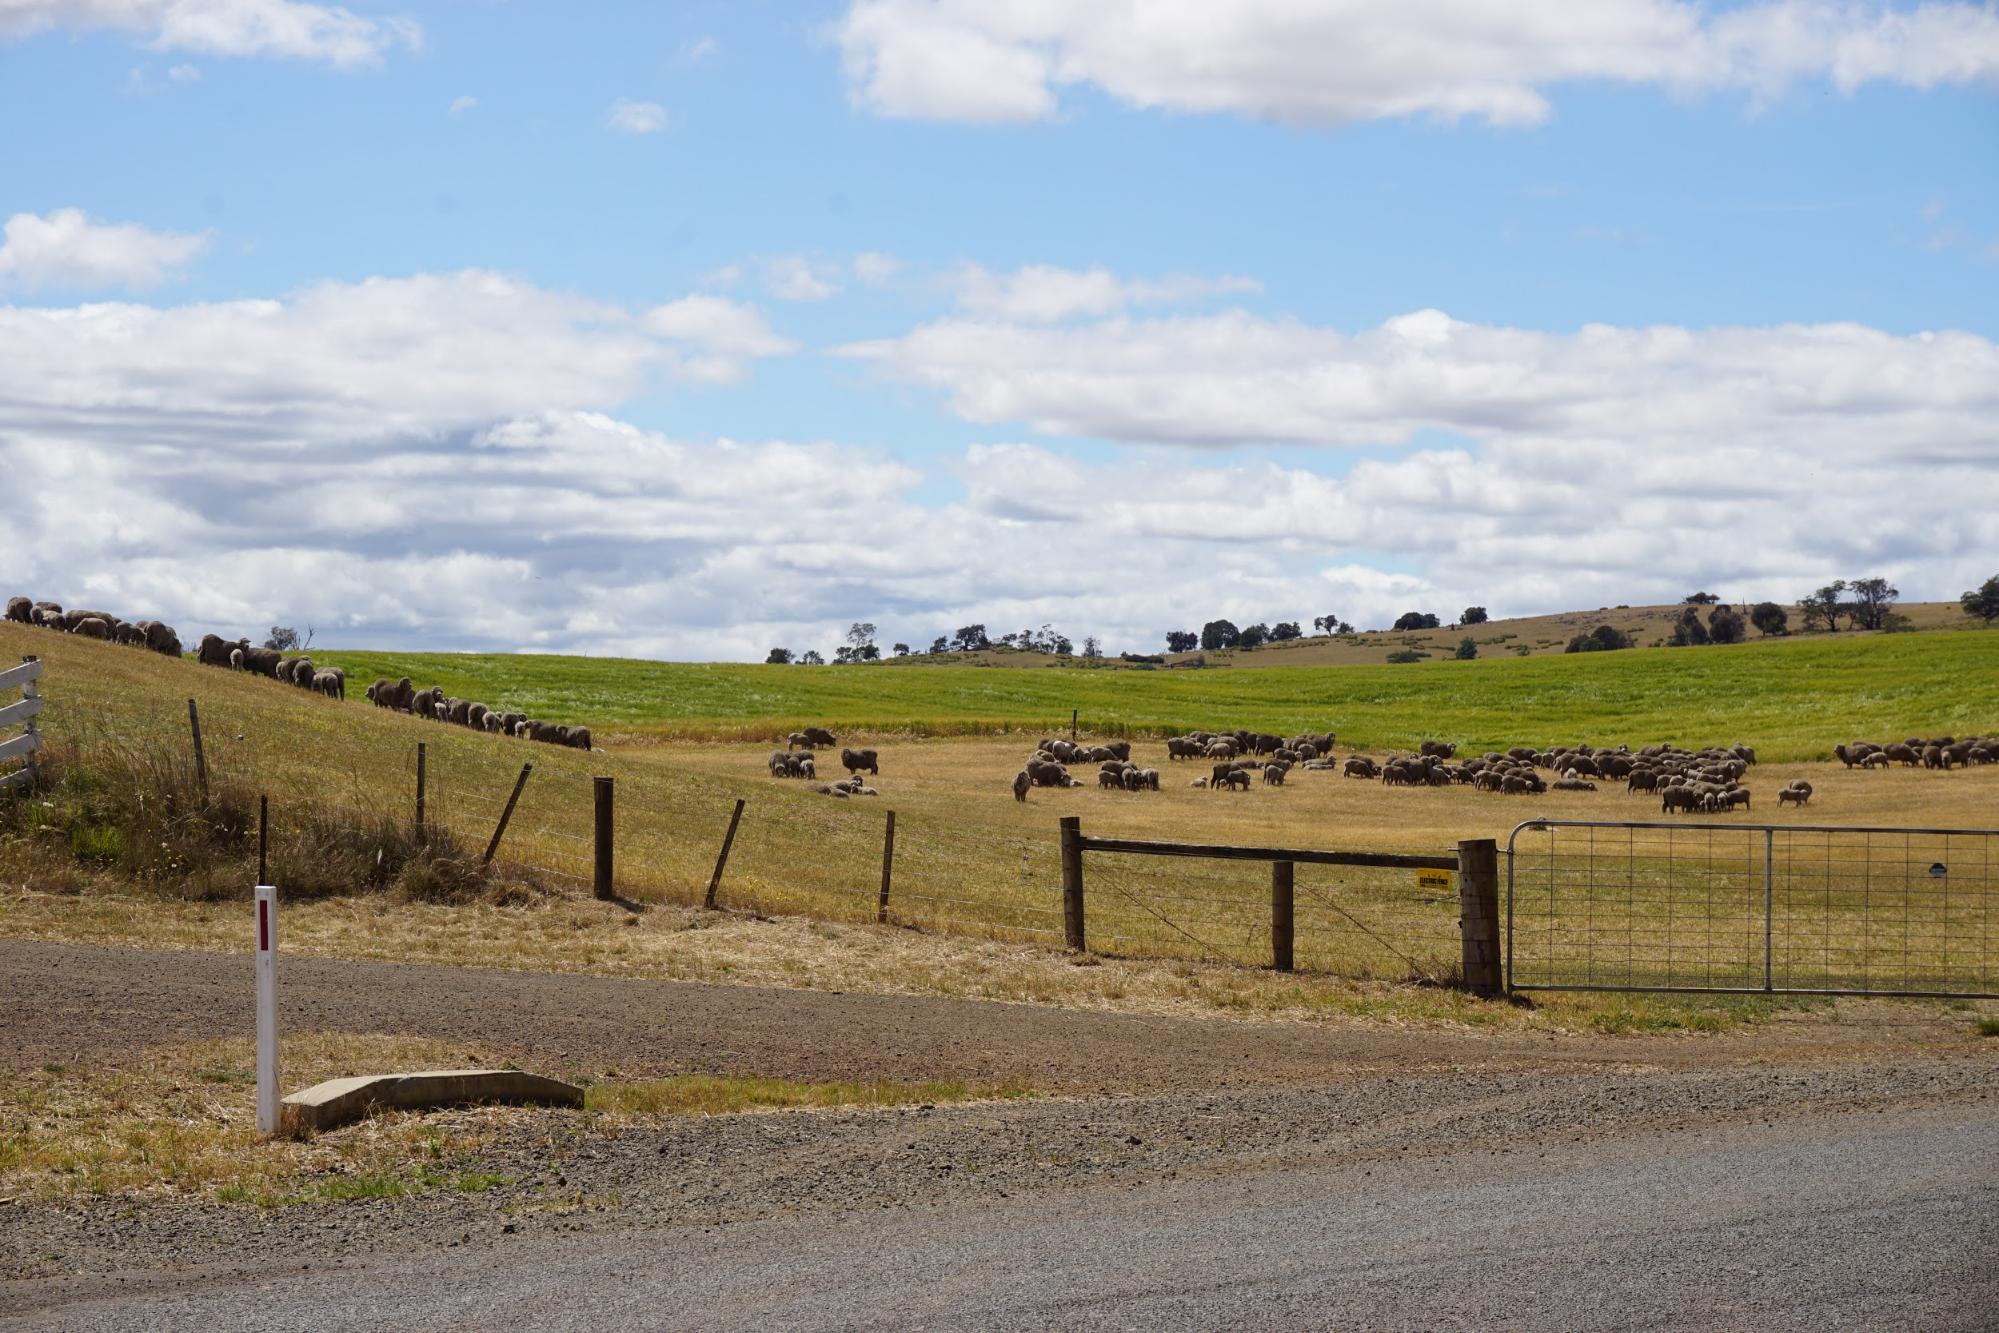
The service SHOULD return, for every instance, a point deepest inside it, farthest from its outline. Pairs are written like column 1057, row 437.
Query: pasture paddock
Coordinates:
column 969, row 859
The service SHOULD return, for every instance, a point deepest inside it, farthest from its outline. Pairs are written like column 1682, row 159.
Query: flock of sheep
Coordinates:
column 151, row 634
column 403, row 697
column 799, row 759
column 242, row 655
column 1944, row 752
column 1707, row 781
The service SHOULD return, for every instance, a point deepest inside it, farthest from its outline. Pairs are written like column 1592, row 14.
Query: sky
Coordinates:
column 690, row 330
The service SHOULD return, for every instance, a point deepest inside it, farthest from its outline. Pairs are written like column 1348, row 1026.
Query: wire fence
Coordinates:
column 1631, row 906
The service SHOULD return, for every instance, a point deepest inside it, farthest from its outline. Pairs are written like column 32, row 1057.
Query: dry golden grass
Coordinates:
column 971, row 864
column 180, row 1121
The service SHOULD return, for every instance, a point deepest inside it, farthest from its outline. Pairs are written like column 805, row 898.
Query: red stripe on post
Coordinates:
column 264, row 926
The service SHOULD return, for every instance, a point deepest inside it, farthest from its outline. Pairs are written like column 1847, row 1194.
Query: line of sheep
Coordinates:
column 153, row 634
column 403, row 697
column 1687, row 781
column 1944, row 752
column 242, row 655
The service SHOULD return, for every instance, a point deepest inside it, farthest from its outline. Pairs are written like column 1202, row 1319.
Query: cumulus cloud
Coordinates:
column 1043, row 293
column 796, row 278
column 287, row 28
column 66, row 249
column 1340, row 61
column 636, row 117
column 1233, row 378
column 437, row 461
column 460, row 105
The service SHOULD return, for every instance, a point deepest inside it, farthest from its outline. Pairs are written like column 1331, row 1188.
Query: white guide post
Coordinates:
column 267, row 1009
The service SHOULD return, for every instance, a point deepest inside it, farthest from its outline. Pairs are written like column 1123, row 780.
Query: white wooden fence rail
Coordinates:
column 22, row 713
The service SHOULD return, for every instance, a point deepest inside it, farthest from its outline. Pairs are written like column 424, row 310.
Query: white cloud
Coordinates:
column 460, row 105
column 698, row 51
column 66, row 249
column 1339, row 61
column 184, row 74
column 796, row 278
column 288, row 28
column 432, row 461
column 1042, row 293
column 1233, row 378
column 875, row 268
column 636, row 117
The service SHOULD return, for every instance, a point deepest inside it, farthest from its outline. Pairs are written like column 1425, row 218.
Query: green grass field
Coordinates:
column 1793, row 699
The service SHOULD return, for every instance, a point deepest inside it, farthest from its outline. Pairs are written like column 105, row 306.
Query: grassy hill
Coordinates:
column 1793, row 697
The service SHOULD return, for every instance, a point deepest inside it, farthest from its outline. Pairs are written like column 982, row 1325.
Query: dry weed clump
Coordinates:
column 138, row 811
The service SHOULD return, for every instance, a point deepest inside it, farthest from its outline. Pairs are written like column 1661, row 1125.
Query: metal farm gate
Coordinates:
column 1752, row 908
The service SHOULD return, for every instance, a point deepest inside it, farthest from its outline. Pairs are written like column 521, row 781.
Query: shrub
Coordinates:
column 1403, row 655
column 1467, row 649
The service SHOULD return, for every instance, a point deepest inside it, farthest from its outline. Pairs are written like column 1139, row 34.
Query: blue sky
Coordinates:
column 1208, row 419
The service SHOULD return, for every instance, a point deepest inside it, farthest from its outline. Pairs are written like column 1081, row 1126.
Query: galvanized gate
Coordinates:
column 1752, row 908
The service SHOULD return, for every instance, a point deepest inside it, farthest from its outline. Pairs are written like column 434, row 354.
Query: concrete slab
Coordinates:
column 339, row 1101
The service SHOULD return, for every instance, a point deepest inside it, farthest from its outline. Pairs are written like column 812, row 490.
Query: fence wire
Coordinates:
column 1753, row 908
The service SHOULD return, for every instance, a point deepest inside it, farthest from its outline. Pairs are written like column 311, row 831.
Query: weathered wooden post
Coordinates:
column 506, row 814
column 888, row 867
column 1072, row 882
column 1282, row 876
column 1072, row 726
column 728, row 841
column 200, row 759
column 605, row 797
column 1478, row 915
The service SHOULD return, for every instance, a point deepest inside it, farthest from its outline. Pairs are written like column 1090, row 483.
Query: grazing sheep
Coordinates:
column 816, row 738
column 1110, row 780
column 161, row 638
column 1361, row 767
column 214, row 650
column 856, row 760
column 581, row 739
column 1793, row 796
column 1573, row 783
column 493, row 723
column 237, row 662
column 92, row 627
column 1021, row 782
column 20, row 610
column 332, row 682
column 1273, row 775
column 827, row 789
column 1441, row 749
column 263, row 661
column 1198, row 782
column 1236, row 780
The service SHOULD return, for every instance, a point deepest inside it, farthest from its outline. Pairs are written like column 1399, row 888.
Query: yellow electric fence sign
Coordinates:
column 1433, row 879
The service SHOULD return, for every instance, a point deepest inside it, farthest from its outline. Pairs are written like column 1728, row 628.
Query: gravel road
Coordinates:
column 1190, row 1173
column 1856, row 1219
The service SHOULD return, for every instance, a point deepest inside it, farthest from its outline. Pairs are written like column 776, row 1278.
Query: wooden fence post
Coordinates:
column 419, row 788
column 1072, row 726
column 506, row 815
column 605, row 797
column 1281, row 885
column 1072, row 882
column 1478, row 915
column 728, row 841
column 888, row 867
column 200, row 759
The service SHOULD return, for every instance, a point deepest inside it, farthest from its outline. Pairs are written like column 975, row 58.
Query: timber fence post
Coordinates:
column 1478, row 915
column 728, row 841
column 200, row 759
column 1281, row 888
column 1072, row 882
column 888, row 868
column 501, row 830
column 605, row 797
